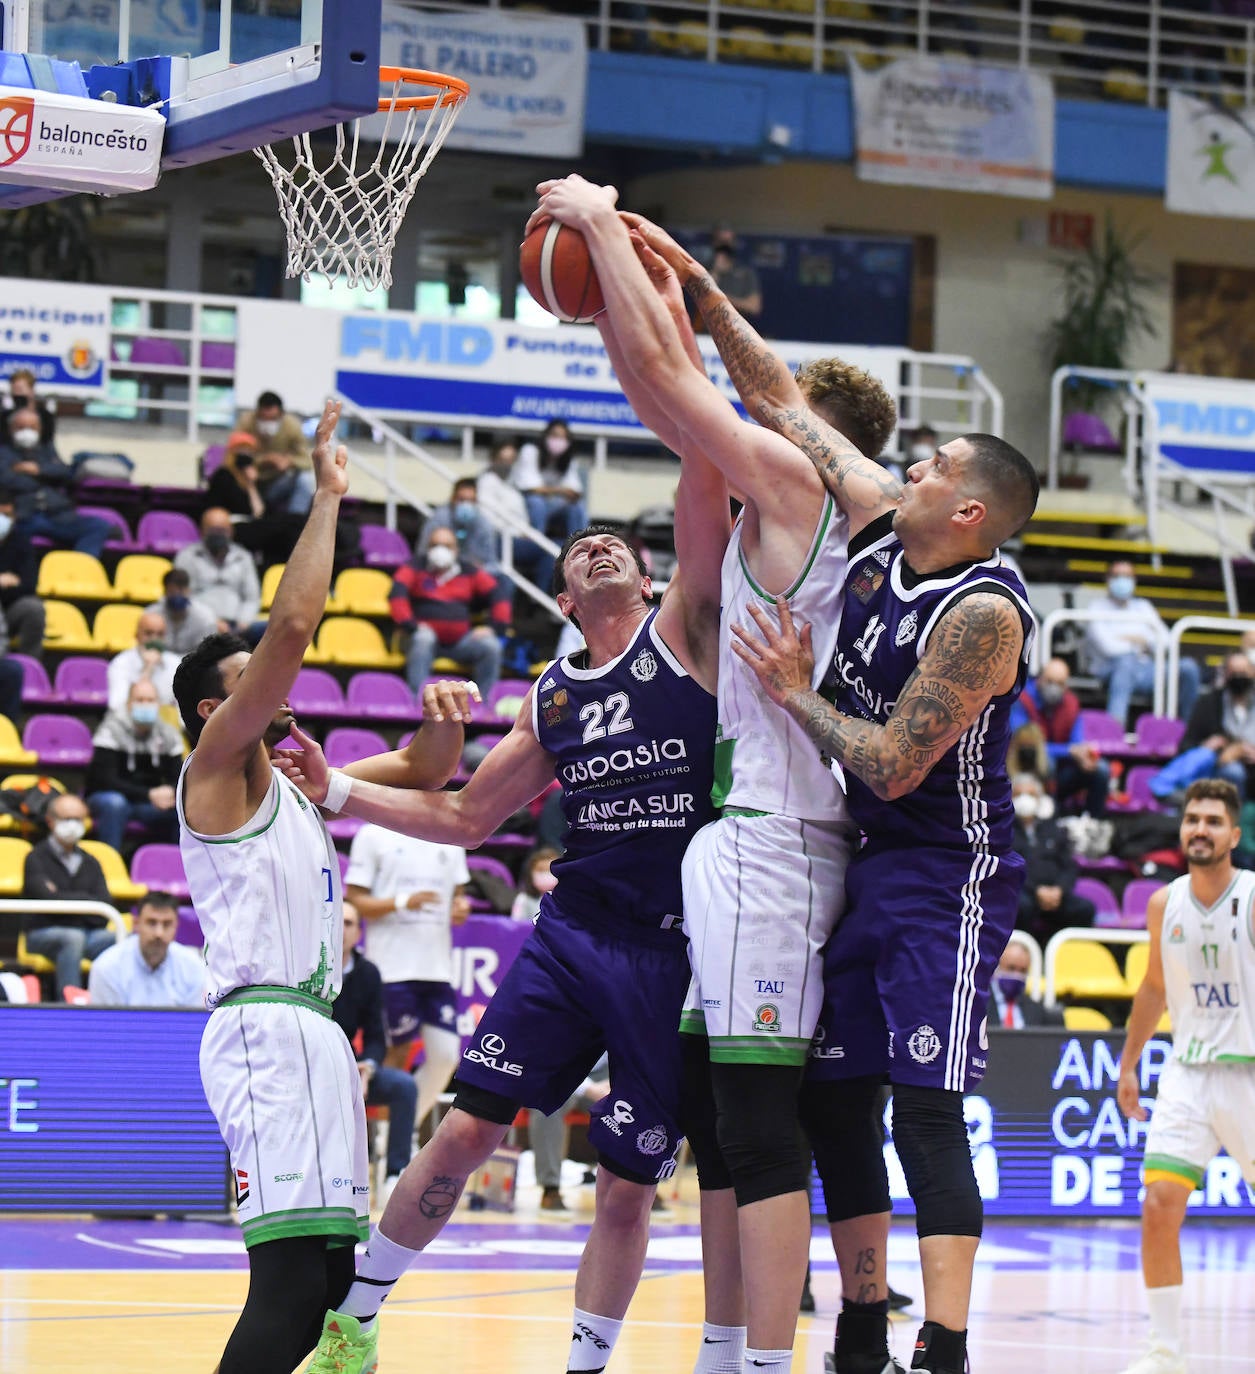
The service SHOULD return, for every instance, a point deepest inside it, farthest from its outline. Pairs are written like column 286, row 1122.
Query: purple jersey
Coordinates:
column 634, row 746
column 886, row 619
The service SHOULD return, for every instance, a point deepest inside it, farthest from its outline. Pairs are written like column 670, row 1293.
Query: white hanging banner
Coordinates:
column 73, row 143
column 1211, row 158
column 957, row 126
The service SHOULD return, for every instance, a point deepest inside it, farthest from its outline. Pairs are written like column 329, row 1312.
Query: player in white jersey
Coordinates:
column 762, row 885
column 278, row 1073
column 1202, row 968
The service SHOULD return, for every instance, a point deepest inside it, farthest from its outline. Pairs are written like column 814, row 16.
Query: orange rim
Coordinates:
column 449, row 90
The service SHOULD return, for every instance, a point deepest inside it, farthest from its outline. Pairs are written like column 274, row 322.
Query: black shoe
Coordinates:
column 807, row 1303
column 897, row 1301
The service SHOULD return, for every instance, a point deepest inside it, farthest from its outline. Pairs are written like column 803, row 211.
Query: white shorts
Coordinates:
column 1200, row 1108
column 761, row 895
column 283, row 1085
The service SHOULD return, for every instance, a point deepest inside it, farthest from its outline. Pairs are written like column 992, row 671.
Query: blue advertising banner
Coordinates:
column 60, row 332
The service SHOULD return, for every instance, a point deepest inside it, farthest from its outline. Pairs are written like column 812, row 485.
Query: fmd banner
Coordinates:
column 959, row 126
column 1205, row 424
column 1211, row 158
column 527, row 75
column 60, row 332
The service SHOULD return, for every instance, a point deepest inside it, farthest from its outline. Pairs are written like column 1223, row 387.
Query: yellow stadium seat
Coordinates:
column 11, row 752
column 114, row 628
column 77, row 576
column 138, row 578
column 748, row 42
column 37, row 963
column 67, row 631
column 1067, row 28
column 1122, row 83
column 270, row 584
column 849, row 9
column 121, row 888
column 360, row 591
column 1088, row 971
column 1135, row 965
column 13, row 854
column 352, row 643
column 1085, row 1018
column 1165, row 1024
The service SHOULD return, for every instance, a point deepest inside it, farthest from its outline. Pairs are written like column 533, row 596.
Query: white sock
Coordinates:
column 1165, row 1315
column 592, row 1340
column 722, row 1350
column 378, row 1272
column 773, row 1361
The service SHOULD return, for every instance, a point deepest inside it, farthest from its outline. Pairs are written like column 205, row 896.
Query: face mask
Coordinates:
column 26, row 438
column 544, row 881
column 158, row 644
column 440, row 558
column 268, row 428
column 1011, row 985
column 6, row 524
column 1239, row 687
column 1026, row 805
column 1121, row 588
column 556, row 446
column 217, row 541
column 69, row 832
column 921, row 453
column 144, row 713
column 1051, row 693
column 464, row 510
column 178, row 604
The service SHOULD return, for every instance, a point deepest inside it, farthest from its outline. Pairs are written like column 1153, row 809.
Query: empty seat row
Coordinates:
column 385, row 696
column 74, row 576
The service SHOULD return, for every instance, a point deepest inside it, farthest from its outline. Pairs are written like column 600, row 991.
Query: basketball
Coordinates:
column 558, row 271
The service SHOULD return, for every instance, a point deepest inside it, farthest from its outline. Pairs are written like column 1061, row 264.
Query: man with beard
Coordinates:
column 1201, row 967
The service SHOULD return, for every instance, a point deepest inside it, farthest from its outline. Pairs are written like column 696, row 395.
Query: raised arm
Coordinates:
column 432, row 756
column 1149, row 1002
column 769, row 391
column 972, row 655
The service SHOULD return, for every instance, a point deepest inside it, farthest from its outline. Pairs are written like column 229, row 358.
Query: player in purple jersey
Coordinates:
column 628, row 728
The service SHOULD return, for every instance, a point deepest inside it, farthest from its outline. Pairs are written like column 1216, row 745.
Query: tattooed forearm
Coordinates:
column 856, row 482
column 976, row 643
column 869, row 751
column 755, row 370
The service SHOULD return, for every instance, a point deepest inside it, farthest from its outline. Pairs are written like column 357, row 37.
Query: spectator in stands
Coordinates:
column 923, row 444
column 134, row 767
column 735, row 277
column 1121, row 641
column 283, row 470
column 187, row 621
column 22, row 395
column 233, row 485
column 1219, row 739
column 149, row 660
column 1012, row 1006
column 477, row 540
column 59, row 869
column 435, row 599
column 222, row 574
column 359, row 1011
column 1047, row 902
column 503, row 503
column 548, row 1137
column 40, row 484
column 535, row 880
column 22, row 616
column 12, row 680
column 148, row 968
column 1048, row 717
column 549, row 478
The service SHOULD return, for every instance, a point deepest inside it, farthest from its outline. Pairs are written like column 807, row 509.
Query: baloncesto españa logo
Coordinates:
column 17, row 118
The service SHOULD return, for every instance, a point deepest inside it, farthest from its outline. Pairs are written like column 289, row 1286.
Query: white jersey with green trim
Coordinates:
column 268, row 897
column 764, row 760
column 1209, row 972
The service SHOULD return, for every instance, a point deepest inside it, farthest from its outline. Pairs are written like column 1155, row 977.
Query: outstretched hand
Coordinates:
column 449, row 701
column 571, row 200
column 679, row 259
column 661, row 273
column 782, row 660
column 305, row 767
column 330, row 459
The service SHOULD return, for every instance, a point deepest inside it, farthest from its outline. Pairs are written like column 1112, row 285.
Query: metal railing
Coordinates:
column 1160, row 648
column 110, row 915
column 1178, row 633
column 1106, row 936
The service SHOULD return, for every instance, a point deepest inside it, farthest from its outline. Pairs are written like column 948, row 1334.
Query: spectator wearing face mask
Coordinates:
column 148, row 660
column 1121, row 641
column 22, row 615
column 187, row 621
column 435, row 600
column 537, row 878
column 1011, row 1005
column 22, row 395
column 549, row 478
column 923, row 444
column 1048, row 716
column 1219, row 739
column 40, row 483
column 134, row 767
column 1047, row 903
column 477, row 540
column 283, row 464
column 233, row 485
column 223, row 576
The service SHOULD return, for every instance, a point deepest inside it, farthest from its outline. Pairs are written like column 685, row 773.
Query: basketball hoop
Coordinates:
column 342, row 221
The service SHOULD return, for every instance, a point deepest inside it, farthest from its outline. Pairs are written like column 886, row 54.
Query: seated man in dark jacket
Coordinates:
column 134, row 767
column 59, row 869
column 359, row 1007
column 22, row 617
column 1047, row 903
column 40, row 484
column 1223, row 720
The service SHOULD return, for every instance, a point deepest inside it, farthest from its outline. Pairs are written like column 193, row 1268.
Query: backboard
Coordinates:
column 241, row 73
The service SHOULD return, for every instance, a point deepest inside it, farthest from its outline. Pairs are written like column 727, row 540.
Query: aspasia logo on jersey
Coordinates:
column 621, row 761
column 491, row 1054
column 872, row 701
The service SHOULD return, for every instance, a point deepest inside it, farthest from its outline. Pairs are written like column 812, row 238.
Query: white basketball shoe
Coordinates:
column 1158, row 1359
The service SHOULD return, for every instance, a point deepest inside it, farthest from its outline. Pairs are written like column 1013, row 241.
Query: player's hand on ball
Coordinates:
column 782, row 658
column 661, row 273
column 306, row 767
column 680, row 260
column 330, row 459
column 573, row 201
column 449, row 701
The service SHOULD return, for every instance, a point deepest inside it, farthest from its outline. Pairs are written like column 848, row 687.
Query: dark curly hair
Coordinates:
column 199, row 675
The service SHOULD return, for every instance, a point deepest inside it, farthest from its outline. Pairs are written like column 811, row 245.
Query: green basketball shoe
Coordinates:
column 344, row 1348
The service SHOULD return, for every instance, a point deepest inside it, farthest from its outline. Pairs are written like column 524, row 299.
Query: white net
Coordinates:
column 342, row 219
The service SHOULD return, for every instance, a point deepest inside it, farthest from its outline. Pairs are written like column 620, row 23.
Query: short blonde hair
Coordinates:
column 851, row 400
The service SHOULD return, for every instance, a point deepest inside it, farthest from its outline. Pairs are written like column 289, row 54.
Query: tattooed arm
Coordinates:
column 861, row 487
column 972, row 656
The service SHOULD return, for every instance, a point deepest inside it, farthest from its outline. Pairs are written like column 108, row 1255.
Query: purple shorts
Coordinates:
column 571, row 994
column 906, row 973
column 411, row 1006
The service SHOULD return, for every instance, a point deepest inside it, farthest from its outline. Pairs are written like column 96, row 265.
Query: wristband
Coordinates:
column 401, row 901
column 339, row 785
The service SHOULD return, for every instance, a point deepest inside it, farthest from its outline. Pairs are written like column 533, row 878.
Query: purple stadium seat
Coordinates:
column 60, row 741
column 1133, row 904
column 316, row 693
column 165, row 532
column 189, row 931
column 1137, row 790
column 211, row 460
column 344, row 827
column 498, row 705
column 380, row 696
column 343, row 860
column 1103, row 730
column 83, row 681
column 157, row 353
column 347, row 744
column 1159, row 734
column 36, row 689
column 487, row 864
column 383, row 548
column 1106, row 908
column 220, row 356
column 122, row 539
column 1081, row 430
column 160, row 868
